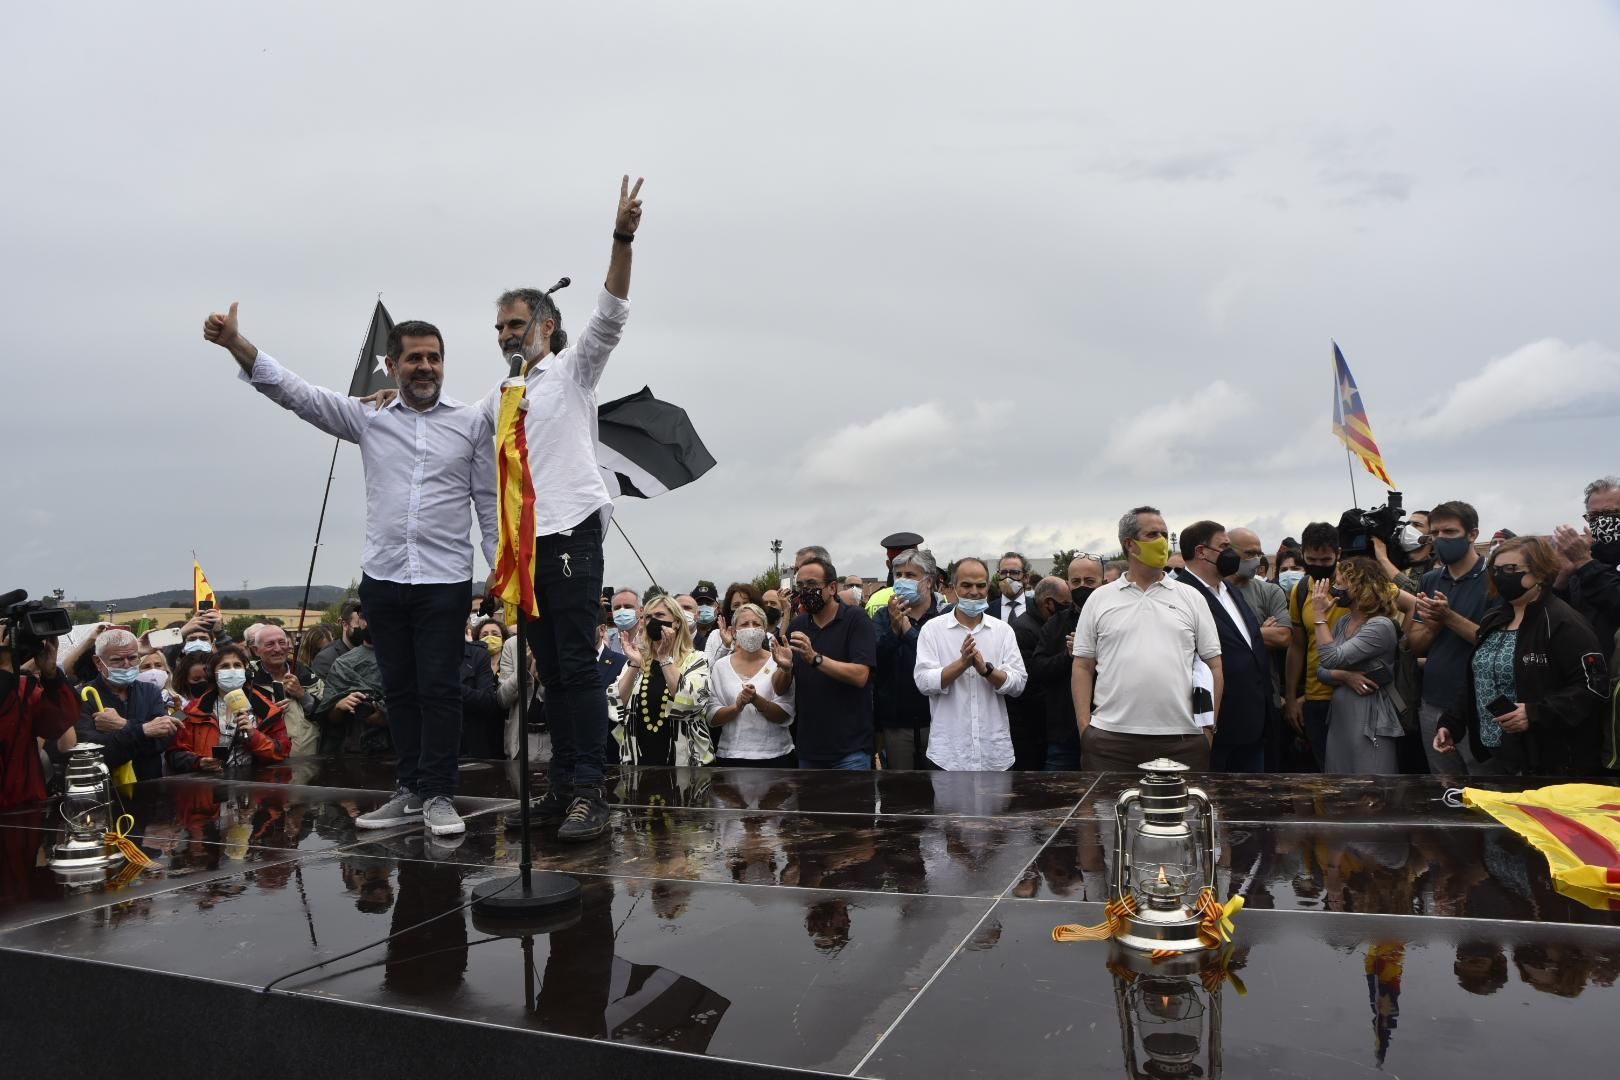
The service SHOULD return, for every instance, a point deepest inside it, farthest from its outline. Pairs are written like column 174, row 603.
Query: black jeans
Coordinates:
column 419, row 633
column 568, row 589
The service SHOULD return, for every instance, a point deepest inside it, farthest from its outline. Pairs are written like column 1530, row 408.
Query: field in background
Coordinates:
column 166, row 615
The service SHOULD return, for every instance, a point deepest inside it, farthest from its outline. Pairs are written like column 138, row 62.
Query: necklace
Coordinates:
column 649, row 720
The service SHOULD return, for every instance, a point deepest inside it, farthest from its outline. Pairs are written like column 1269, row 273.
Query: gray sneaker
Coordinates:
column 440, row 817
column 404, row 808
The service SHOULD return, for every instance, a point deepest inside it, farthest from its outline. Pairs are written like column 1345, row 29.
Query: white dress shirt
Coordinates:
column 1229, row 602
column 1013, row 606
column 561, row 423
column 425, row 473
column 969, row 729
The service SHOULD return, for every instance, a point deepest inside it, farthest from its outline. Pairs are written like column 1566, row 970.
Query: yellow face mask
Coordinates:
column 1155, row 553
column 493, row 643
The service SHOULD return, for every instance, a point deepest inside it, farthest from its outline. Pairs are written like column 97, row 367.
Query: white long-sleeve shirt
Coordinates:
column 425, row 474
column 968, row 730
column 561, row 422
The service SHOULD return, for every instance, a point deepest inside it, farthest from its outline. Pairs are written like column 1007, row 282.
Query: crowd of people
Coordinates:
column 1474, row 656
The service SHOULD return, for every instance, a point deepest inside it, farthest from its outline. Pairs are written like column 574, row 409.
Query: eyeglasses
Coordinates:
column 1594, row 516
column 1016, row 575
column 121, row 661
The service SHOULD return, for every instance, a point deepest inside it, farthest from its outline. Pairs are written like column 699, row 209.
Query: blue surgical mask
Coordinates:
column 197, row 646
column 972, row 608
column 907, row 590
column 123, row 676
column 705, row 614
column 624, row 618
column 1290, row 578
column 229, row 679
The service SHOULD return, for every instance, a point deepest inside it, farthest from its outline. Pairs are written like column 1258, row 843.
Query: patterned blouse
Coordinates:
column 1493, row 678
column 659, row 724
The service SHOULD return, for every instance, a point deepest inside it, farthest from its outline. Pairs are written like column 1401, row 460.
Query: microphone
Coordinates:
column 236, row 701
column 517, row 365
column 562, row 283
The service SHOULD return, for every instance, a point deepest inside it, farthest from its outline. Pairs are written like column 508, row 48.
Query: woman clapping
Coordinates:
column 663, row 693
column 753, row 719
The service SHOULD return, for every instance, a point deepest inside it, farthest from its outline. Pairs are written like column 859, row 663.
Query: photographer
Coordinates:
column 350, row 711
column 127, row 717
column 32, row 707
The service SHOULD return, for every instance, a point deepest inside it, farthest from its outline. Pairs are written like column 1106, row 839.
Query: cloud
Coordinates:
column 1537, row 381
column 1363, row 187
column 1165, row 433
column 1197, row 166
column 920, row 432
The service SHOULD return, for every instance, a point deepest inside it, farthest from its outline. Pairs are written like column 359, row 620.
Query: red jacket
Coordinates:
column 29, row 710
column 199, row 731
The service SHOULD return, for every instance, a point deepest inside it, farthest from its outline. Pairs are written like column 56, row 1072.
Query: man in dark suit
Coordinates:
column 1026, row 713
column 1008, row 599
column 1246, row 705
column 1052, row 667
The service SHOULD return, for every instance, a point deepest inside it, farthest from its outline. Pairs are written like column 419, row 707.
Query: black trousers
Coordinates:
column 419, row 632
column 568, row 589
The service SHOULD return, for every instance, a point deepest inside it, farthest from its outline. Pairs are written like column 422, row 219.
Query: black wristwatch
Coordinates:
column 989, row 669
column 816, row 660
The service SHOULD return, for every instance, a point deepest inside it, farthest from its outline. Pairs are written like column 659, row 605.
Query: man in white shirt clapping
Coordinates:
column 967, row 663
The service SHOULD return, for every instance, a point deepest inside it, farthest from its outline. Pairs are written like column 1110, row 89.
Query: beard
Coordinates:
column 420, row 393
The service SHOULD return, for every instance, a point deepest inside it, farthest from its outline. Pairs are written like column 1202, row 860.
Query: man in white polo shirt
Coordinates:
column 1133, row 659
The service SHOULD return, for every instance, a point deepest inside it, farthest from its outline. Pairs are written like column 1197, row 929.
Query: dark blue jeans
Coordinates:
column 858, row 760
column 568, row 588
column 419, row 633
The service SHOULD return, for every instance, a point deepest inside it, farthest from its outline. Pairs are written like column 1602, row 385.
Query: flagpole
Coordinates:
column 1349, row 463
column 303, row 605
column 636, row 553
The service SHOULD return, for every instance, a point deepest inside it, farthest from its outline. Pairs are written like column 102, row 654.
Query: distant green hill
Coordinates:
column 270, row 597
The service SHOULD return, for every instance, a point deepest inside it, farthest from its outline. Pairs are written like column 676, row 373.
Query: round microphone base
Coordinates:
column 509, row 898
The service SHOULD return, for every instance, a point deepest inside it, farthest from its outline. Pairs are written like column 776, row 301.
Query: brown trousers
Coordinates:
column 1117, row 751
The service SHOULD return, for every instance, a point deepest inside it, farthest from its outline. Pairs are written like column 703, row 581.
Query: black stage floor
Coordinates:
column 738, row 922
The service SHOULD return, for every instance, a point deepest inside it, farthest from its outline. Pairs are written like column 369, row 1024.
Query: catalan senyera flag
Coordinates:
column 1577, row 826
column 1350, row 420
column 200, row 589
column 514, row 559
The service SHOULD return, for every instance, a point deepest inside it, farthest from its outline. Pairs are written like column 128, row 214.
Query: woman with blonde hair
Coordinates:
column 1356, row 657
column 663, row 692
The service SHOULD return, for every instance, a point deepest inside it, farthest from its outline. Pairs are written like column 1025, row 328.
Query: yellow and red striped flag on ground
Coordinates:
column 514, row 560
column 1350, row 420
column 1577, row 826
column 200, row 589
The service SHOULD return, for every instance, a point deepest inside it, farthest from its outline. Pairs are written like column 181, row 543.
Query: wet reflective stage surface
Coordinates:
column 873, row 924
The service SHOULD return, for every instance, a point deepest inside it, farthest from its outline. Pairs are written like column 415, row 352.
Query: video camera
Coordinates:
column 1388, row 523
column 30, row 623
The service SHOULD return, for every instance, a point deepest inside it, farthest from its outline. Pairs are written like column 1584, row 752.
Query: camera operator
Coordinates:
column 350, row 711
column 32, row 707
column 127, row 717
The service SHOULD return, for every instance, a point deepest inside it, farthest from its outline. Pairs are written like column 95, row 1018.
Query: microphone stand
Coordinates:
column 534, row 894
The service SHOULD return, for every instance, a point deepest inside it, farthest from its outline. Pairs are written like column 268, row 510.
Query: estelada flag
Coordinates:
column 1577, row 826
column 200, row 589
column 1350, row 420
column 514, row 559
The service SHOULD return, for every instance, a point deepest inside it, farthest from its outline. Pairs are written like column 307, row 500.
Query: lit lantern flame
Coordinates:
column 1162, row 879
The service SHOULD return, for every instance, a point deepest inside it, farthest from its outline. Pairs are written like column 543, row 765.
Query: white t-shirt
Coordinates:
column 1144, row 644
column 750, row 736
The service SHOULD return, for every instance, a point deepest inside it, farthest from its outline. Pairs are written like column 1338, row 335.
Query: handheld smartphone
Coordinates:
column 163, row 639
column 1502, row 706
column 204, row 605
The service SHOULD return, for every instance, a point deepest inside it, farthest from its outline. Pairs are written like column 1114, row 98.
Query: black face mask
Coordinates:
column 360, row 637
column 1226, row 563
column 198, row 689
column 1340, row 596
column 1077, row 597
column 1320, row 573
column 812, row 598
column 773, row 615
column 1509, row 583
column 655, row 630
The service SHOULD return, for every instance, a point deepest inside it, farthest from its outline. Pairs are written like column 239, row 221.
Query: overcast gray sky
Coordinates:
column 994, row 273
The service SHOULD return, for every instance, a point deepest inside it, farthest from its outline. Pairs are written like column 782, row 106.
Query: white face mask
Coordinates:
column 750, row 638
column 1015, row 589
column 229, row 679
column 156, row 676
